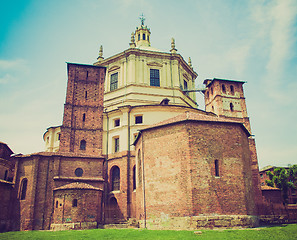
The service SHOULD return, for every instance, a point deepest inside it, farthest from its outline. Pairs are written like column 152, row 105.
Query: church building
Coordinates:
column 135, row 148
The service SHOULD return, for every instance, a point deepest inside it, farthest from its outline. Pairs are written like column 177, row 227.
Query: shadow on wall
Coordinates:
column 113, row 212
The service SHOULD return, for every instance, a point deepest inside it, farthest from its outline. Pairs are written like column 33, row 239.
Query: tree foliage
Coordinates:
column 284, row 179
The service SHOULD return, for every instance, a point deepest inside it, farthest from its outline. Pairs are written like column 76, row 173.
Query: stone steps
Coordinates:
column 131, row 223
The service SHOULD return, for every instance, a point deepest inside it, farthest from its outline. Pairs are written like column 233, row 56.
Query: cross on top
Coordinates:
column 142, row 18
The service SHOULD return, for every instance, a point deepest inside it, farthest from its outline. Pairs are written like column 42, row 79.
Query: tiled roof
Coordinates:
column 78, row 185
column 192, row 117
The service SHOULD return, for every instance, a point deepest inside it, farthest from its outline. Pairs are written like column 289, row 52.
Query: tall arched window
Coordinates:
column 84, row 117
column 232, row 90
column 223, row 88
column 134, row 178
column 23, row 189
column 115, row 178
column 143, row 36
column 217, row 170
column 86, row 94
column 74, row 203
column 83, row 145
column 139, row 168
column 5, row 175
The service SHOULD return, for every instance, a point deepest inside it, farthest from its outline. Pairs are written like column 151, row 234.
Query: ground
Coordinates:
column 272, row 232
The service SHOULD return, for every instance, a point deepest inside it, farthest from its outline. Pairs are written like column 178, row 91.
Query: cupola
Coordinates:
column 142, row 34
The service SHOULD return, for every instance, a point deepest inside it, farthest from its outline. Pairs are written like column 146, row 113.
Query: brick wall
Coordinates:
column 180, row 171
column 83, row 119
column 44, row 173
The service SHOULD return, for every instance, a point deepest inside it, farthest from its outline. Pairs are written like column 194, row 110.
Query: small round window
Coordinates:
column 78, row 172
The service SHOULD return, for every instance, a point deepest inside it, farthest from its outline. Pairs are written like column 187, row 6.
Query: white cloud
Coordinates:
column 282, row 15
column 275, row 33
column 12, row 64
column 6, row 78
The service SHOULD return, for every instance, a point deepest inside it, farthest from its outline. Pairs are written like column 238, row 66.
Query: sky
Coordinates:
column 253, row 41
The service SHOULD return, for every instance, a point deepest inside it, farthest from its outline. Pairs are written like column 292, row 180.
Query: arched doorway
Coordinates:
column 113, row 211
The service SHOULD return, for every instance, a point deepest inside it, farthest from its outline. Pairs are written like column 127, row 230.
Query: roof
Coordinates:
column 267, row 168
column 221, row 79
column 149, row 48
column 53, row 154
column 89, row 65
column 145, row 50
column 78, row 185
column 6, row 146
column 190, row 116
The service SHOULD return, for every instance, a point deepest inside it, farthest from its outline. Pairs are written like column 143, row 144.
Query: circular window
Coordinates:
column 78, row 172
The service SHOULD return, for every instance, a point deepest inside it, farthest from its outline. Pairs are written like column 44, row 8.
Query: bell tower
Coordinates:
column 226, row 99
column 81, row 131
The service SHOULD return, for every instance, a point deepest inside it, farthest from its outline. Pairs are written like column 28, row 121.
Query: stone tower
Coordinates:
column 81, row 131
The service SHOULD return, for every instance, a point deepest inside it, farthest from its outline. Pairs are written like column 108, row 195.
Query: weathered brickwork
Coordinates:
column 83, row 110
column 198, row 169
column 45, row 172
column 5, row 205
column 125, row 196
column 76, row 205
column 180, row 176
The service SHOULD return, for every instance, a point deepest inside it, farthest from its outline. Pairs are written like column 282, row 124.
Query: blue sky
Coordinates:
column 254, row 41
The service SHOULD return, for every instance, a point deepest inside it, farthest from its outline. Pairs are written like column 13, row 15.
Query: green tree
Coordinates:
column 284, row 179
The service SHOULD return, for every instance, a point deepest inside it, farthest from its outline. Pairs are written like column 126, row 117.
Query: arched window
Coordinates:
column 217, row 172
column 115, row 179
column 5, row 175
column 57, row 204
column 231, row 107
column 84, row 117
column 143, row 36
column 223, row 88
column 139, row 168
column 212, row 108
column 74, row 203
column 134, row 178
column 232, row 89
column 83, row 144
column 23, row 189
column 86, row 94
column 138, row 37
column 113, row 201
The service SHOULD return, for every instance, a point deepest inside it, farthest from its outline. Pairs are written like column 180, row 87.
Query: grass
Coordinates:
column 286, row 232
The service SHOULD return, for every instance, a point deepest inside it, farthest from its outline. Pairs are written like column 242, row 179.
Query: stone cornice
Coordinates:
column 154, row 54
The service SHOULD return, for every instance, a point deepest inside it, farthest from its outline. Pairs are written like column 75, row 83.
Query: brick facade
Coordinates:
column 83, row 110
column 46, row 172
column 196, row 165
column 179, row 177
